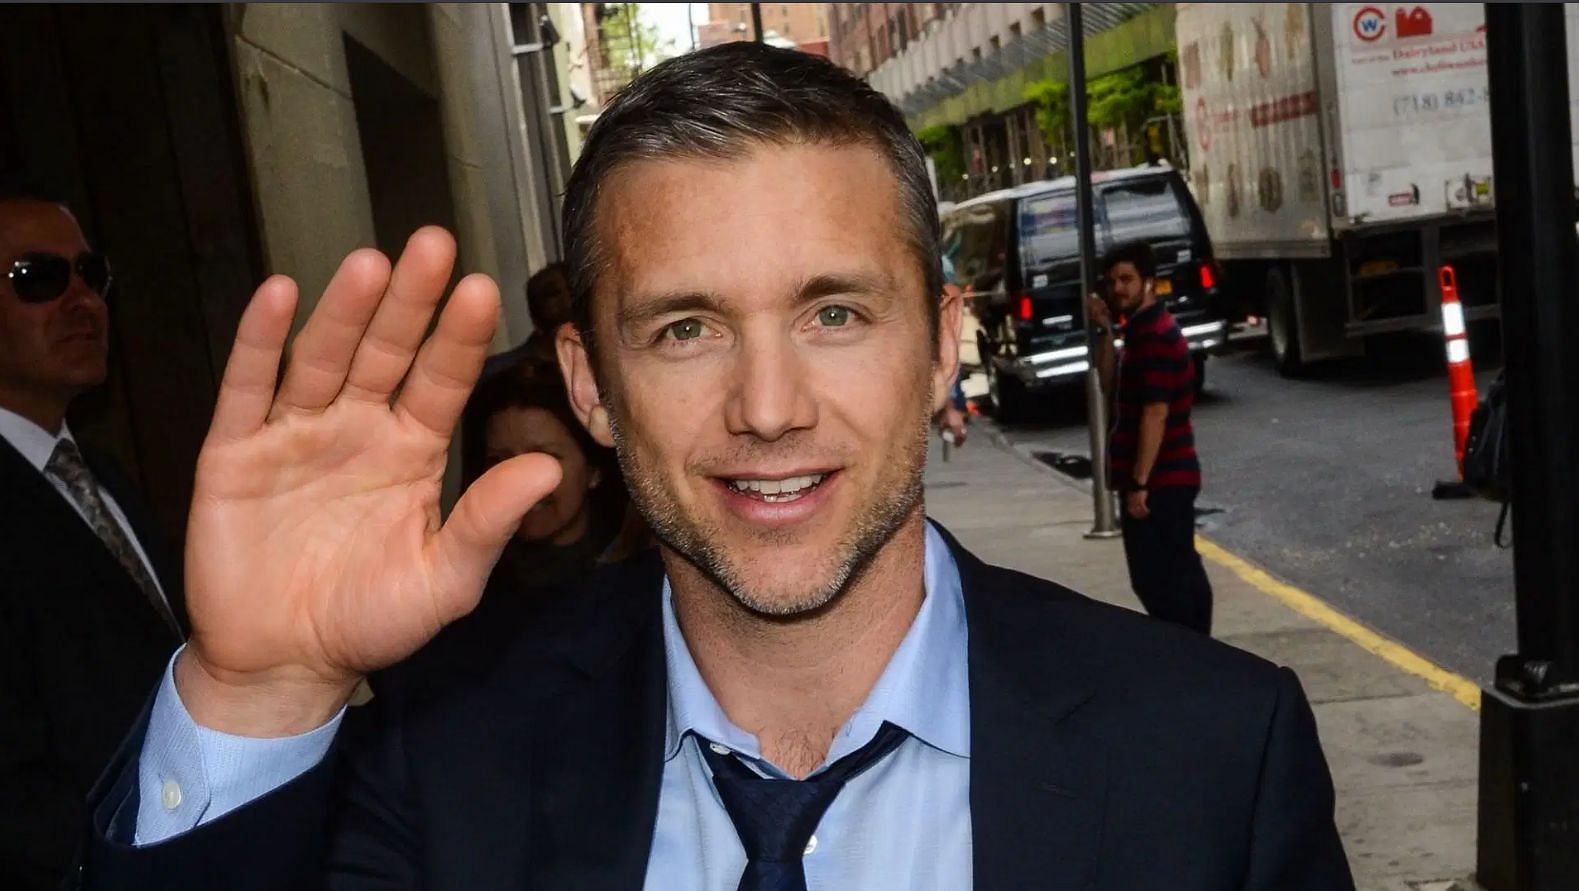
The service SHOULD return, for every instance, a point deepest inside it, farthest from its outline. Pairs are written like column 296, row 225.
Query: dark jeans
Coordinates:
column 1164, row 568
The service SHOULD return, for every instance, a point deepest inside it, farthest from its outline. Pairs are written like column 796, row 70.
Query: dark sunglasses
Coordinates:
column 40, row 277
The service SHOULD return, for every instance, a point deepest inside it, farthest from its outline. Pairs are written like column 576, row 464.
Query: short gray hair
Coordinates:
column 720, row 103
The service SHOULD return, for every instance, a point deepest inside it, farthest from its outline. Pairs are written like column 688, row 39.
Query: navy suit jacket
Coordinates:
column 79, row 645
column 523, row 750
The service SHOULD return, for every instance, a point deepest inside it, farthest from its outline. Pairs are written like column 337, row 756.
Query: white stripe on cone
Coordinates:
column 1453, row 318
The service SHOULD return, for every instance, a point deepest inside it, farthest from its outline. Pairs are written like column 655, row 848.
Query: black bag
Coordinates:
column 1488, row 462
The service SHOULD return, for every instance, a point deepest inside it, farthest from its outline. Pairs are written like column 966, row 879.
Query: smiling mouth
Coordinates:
column 777, row 491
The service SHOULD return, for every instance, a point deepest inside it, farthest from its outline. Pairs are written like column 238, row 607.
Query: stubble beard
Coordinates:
column 698, row 540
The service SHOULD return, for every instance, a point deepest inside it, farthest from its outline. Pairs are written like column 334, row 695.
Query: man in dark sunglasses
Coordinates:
column 90, row 606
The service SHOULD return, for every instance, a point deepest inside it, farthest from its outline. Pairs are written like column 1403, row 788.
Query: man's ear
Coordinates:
column 581, row 385
column 950, row 315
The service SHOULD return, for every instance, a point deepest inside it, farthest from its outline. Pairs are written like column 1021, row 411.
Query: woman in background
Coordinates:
column 587, row 520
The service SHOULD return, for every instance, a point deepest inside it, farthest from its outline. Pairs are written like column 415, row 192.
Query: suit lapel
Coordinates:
column 1038, row 781
column 597, row 755
column 55, row 520
column 166, row 564
column 1038, row 784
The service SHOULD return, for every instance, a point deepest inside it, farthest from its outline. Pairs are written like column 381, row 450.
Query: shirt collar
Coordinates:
column 1145, row 314
column 34, row 442
column 924, row 690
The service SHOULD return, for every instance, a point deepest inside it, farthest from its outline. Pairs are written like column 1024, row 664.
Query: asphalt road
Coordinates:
column 1326, row 481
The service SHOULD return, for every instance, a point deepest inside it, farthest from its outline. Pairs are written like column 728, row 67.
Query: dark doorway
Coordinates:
column 129, row 113
column 403, row 149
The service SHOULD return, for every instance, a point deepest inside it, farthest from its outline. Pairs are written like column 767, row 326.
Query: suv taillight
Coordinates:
column 1208, row 276
column 1025, row 308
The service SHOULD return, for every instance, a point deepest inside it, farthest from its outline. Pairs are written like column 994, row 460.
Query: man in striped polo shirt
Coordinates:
column 1151, row 447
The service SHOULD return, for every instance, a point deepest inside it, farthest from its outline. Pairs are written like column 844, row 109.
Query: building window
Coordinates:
column 975, row 54
column 1038, row 19
column 994, row 43
column 1014, row 31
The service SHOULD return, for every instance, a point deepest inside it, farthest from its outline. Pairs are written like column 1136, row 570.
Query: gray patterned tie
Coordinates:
column 66, row 465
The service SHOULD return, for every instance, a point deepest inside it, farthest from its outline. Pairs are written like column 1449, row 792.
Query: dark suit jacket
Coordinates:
column 79, row 648
column 1108, row 751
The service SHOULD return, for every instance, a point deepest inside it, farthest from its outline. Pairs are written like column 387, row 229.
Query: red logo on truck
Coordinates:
column 1370, row 24
column 1414, row 23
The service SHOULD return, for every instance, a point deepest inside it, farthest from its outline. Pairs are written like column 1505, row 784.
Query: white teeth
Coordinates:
column 778, row 490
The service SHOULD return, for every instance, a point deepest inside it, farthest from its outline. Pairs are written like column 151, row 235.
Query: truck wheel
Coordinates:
column 1282, row 323
column 1008, row 395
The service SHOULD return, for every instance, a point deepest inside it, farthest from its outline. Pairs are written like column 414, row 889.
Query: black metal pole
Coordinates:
column 1104, row 524
column 1529, row 753
column 756, row 22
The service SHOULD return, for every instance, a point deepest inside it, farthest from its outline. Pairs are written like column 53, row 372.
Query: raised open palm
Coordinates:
column 315, row 550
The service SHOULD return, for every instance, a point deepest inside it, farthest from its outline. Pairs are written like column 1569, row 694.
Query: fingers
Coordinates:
column 247, row 390
column 483, row 521
column 396, row 331
column 321, row 356
column 447, row 367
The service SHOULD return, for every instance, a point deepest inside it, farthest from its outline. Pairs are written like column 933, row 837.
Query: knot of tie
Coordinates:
column 66, row 463
column 776, row 818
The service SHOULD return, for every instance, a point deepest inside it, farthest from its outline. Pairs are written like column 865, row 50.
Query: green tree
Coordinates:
column 631, row 41
column 1128, row 98
column 1052, row 109
column 942, row 144
column 1121, row 100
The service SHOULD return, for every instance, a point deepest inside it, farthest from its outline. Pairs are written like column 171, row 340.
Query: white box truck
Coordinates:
column 1341, row 154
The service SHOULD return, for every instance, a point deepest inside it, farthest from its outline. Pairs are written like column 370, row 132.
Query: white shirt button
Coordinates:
column 722, row 750
column 811, row 845
column 170, row 795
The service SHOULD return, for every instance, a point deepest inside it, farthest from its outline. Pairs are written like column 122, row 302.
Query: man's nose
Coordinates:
column 79, row 295
column 770, row 393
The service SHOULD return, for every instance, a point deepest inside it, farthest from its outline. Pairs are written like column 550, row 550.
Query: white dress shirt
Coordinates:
column 36, row 446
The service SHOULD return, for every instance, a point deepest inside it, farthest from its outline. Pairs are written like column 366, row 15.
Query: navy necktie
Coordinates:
column 776, row 818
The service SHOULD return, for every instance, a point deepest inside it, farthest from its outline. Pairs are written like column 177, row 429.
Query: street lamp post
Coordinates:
column 1104, row 525
column 1529, row 732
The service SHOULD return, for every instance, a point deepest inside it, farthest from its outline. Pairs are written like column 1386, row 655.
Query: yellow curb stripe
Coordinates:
column 1309, row 606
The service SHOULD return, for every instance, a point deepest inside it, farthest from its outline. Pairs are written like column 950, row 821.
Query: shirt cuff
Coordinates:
column 189, row 775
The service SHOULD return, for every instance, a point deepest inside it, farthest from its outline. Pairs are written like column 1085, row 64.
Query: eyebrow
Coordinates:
column 647, row 309
column 826, row 285
column 815, row 288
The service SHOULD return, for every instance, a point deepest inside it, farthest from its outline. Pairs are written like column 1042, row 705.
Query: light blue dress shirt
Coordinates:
column 903, row 825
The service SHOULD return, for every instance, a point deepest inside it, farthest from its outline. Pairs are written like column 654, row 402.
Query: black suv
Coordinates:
column 1019, row 251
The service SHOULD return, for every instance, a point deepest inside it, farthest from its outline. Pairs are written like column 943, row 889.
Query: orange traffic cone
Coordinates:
column 1460, row 373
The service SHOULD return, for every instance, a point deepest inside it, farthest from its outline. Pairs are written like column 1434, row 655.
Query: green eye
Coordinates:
column 685, row 329
column 834, row 316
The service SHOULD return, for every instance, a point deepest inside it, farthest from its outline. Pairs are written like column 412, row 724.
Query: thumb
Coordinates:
column 486, row 516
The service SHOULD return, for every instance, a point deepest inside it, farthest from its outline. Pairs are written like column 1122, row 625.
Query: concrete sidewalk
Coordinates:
column 1398, row 734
